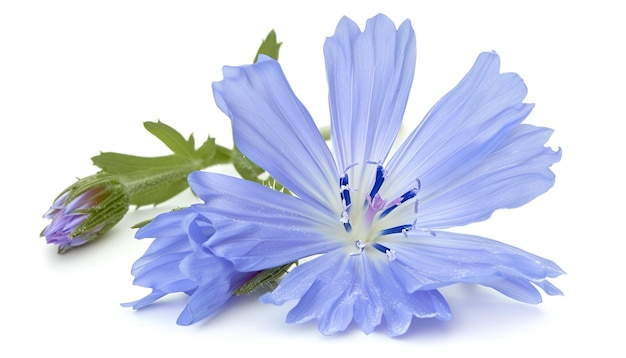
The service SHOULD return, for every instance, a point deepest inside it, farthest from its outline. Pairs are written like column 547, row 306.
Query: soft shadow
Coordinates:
column 477, row 312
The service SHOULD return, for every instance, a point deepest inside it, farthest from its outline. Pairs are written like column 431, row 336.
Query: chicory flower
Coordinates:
column 85, row 210
column 373, row 224
column 369, row 226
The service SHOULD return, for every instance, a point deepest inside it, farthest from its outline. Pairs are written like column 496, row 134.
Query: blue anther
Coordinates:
column 380, row 178
column 409, row 195
column 345, row 192
column 397, row 229
column 380, row 247
column 406, row 196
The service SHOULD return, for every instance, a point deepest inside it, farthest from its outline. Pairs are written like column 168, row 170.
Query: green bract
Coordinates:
column 86, row 210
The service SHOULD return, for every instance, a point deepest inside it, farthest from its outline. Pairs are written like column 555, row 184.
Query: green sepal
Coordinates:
column 269, row 47
column 103, row 217
column 266, row 279
column 105, row 205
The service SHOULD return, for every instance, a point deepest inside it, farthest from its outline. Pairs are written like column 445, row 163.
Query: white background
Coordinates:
column 79, row 77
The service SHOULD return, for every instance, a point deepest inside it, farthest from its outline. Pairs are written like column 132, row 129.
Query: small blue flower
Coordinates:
column 372, row 223
column 177, row 261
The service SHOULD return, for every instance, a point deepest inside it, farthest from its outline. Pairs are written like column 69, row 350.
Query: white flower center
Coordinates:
column 360, row 222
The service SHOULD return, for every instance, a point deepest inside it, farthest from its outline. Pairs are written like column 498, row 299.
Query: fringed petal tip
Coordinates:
column 143, row 302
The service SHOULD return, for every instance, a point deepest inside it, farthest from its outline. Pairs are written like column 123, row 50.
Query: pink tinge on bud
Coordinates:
column 84, row 211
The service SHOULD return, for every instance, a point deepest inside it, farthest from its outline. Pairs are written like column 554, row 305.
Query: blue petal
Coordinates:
column 247, row 200
column 215, row 277
column 517, row 172
column 163, row 273
column 205, row 302
column 332, row 289
column 145, row 301
column 369, row 78
column 171, row 239
column 399, row 305
column 158, row 268
column 259, row 228
column 274, row 130
column 166, row 225
column 463, row 128
column 338, row 288
column 424, row 261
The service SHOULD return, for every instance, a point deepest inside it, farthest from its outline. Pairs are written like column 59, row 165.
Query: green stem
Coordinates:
column 222, row 155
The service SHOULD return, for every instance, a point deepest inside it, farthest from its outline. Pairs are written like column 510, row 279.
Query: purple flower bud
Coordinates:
column 85, row 211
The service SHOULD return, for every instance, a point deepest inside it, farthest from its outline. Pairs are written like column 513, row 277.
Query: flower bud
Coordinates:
column 86, row 210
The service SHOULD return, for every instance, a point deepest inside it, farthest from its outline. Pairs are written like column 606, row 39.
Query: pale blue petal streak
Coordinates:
column 514, row 174
column 425, row 261
column 338, row 288
column 273, row 129
column 369, row 77
column 463, row 128
column 159, row 268
column 256, row 227
column 216, row 278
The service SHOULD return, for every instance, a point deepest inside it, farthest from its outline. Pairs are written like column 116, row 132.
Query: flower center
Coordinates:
column 359, row 222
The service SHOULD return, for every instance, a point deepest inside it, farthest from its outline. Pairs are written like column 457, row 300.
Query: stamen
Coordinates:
column 347, row 227
column 345, row 190
column 345, row 220
column 346, row 201
column 397, row 229
column 380, row 178
column 359, row 245
column 406, row 196
column 391, row 254
column 380, row 247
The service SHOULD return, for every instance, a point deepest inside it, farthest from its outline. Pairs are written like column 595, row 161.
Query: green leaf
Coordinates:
column 269, row 47
column 245, row 167
column 153, row 180
column 171, row 138
column 206, row 152
column 223, row 155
